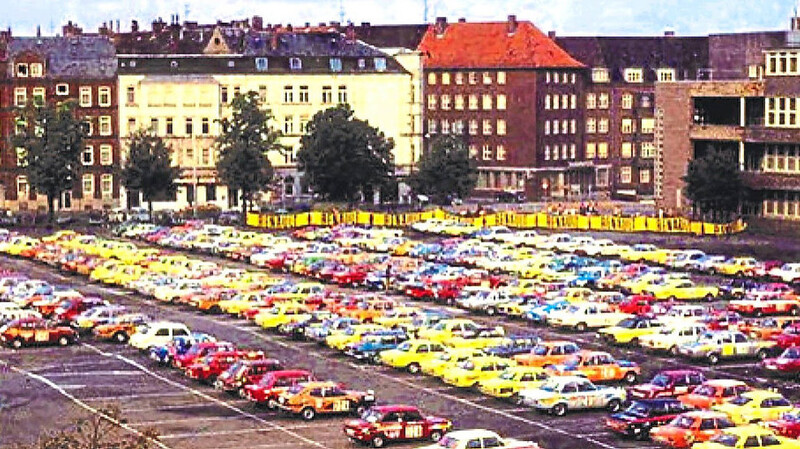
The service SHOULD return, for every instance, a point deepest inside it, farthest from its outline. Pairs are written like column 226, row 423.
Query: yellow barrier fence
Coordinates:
column 511, row 219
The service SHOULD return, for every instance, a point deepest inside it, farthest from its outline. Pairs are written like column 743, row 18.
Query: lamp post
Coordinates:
column 194, row 175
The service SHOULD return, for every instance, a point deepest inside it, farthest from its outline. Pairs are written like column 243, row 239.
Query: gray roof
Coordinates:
column 83, row 57
column 307, row 44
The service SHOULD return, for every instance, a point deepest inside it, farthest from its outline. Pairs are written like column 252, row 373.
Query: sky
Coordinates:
column 566, row 17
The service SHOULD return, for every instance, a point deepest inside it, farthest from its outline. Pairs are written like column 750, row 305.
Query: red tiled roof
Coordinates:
column 486, row 45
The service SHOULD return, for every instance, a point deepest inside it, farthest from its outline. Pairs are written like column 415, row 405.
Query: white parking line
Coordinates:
column 168, row 407
column 84, row 405
column 205, row 396
column 181, row 420
column 96, row 373
column 138, row 396
column 218, row 433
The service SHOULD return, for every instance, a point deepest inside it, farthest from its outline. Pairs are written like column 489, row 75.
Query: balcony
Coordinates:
column 716, row 132
column 771, row 181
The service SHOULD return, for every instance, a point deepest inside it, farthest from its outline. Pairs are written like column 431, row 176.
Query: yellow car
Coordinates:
column 104, row 271
column 472, row 371
column 17, row 245
column 242, row 302
column 281, row 314
column 629, row 330
column 755, row 406
column 128, row 275
column 575, row 294
column 410, row 354
column 512, row 380
column 167, row 264
column 439, row 365
column 140, row 256
column 398, row 316
column 59, row 236
column 737, row 266
column 447, row 329
column 638, row 253
column 638, row 284
column 748, row 437
column 351, row 335
column 682, row 289
column 485, row 338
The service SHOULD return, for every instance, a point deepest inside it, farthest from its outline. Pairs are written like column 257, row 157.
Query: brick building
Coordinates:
column 514, row 96
column 51, row 70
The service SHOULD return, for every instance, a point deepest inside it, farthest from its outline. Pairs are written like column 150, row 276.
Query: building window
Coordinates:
column 431, row 126
column 627, row 101
column 501, row 78
column 327, row 95
column 432, row 100
column 547, row 151
column 648, row 125
column 262, row 64
column 154, row 126
column 88, row 126
column 106, row 155
column 445, row 102
column 556, row 102
column 105, row 125
column 459, row 78
column 86, row 97
column 106, row 185
column 22, row 70
column 625, row 175
column 20, row 96
column 603, row 101
column 501, row 102
column 445, row 126
column 22, row 157
column 170, row 130
column 36, row 70
column 487, row 102
column 104, row 96
column 380, row 64
column 23, row 190
column 602, row 126
column 62, row 89
column 458, row 127
column 564, row 150
column 501, row 153
column 487, row 152
column 600, row 75
column 189, row 126
column 555, row 153
column 602, row 177
column 189, row 156
column 445, row 78
column 634, row 75
column 547, row 127
column 573, row 126
column 431, row 79
column 303, row 94
column 627, row 150
column 547, row 78
column 335, row 64
column 288, row 124
column 646, row 101
column 591, row 101
column 627, row 126
column 38, row 96
column 565, row 101
column 459, row 102
column 130, row 95
column 288, row 94
column 501, row 127
column 602, row 150
column 666, row 75
column 644, row 176
column 591, row 125
column 473, row 127
column 547, row 102
column 487, row 78
column 262, row 93
column 555, row 77
column 573, row 150
column 131, row 125
column 205, row 157
column 223, row 94
column 573, row 101
column 342, row 93
column 648, row 150
column 591, row 150
column 204, row 126
column 564, row 127
column 295, row 64
column 487, row 127
column 555, row 127
column 87, row 183
column 473, row 102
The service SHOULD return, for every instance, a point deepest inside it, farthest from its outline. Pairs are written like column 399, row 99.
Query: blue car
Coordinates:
column 538, row 314
column 164, row 354
column 513, row 345
column 372, row 343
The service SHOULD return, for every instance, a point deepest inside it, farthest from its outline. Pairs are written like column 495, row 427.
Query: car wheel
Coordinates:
column 436, row 435
column 378, row 441
column 376, row 359
column 121, row 337
column 559, row 409
column 674, row 351
column 709, row 297
column 215, row 310
column 634, row 341
column 491, row 311
column 630, row 377
column 308, row 413
column 713, row 359
column 672, row 299
column 580, row 327
column 614, row 405
column 361, row 409
column 641, row 433
column 413, row 368
column 762, row 354
column 758, row 313
column 271, row 404
column 64, row 340
column 516, row 399
column 794, row 311
column 740, row 274
column 17, row 343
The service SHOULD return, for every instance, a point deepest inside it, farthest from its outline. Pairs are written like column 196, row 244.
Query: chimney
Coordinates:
column 38, row 31
column 158, row 26
column 273, row 43
column 462, row 20
column 323, row 24
column 134, row 26
column 289, row 27
column 71, row 30
column 795, row 25
column 335, row 24
column 551, row 34
column 441, row 25
column 365, row 24
column 258, row 23
column 351, row 33
column 669, row 33
column 103, row 29
column 511, row 27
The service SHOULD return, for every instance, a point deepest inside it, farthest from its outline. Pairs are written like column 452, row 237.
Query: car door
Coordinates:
column 413, row 425
column 742, row 346
column 573, row 399
column 726, row 345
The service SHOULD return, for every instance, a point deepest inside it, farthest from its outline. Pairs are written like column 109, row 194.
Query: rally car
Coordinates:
column 35, row 332
column 598, row 366
column 754, row 406
column 548, row 353
column 272, row 384
column 381, row 424
column 748, row 437
column 472, row 371
column 313, row 398
column 714, row 346
column 560, row 394
column 510, row 382
column 629, row 330
column 643, row 415
column 713, row 392
column 669, row 384
column 411, row 354
column 691, row 427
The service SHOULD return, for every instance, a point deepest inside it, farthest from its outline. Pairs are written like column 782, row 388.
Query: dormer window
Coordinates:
column 231, row 64
column 380, row 64
column 22, row 70
column 362, row 64
column 36, row 70
column 600, row 75
column 295, row 64
column 634, row 75
column 335, row 64
column 666, row 75
column 262, row 65
column 62, row 89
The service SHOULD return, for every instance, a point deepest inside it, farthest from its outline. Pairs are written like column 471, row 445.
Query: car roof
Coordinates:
column 395, row 408
column 724, row 382
column 678, row 372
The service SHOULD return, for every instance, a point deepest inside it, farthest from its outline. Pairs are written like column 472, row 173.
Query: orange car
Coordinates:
column 713, row 392
column 598, row 367
column 120, row 328
column 312, row 398
column 765, row 328
column 548, row 353
column 369, row 310
column 691, row 427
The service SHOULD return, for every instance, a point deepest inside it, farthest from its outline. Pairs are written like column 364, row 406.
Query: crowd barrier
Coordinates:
column 515, row 220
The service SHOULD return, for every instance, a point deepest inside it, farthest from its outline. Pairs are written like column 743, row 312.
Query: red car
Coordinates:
column 636, row 304
column 789, row 337
column 668, row 384
column 36, row 332
column 272, row 384
column 217, row 363
column 351, row 276
column 71, row 308
column 245, row 372
column 198, row 351
column 381, row 424
column 787, row 364
column 723, row 321
column 787, row 426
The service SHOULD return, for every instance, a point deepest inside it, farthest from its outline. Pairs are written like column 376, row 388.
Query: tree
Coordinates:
column 446, row 171
column 714, row 185
column 51, row 143
column 244, row 144
column 149, row 169
column 343, row 157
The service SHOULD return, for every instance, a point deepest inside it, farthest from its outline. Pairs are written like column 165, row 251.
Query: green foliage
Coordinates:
column 714, row 185
column 343, row 157
column 446, row 171
column 148, row 168
column 52, row 143
column 244, row 143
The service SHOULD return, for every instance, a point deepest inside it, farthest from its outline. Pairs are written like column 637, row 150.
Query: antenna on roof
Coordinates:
column 186, row 11
column 341, row 11
column 424, row 11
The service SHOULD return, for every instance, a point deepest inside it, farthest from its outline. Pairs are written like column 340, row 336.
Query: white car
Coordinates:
column 585, row 315
column 599, row 247
column 555, row 242
column 687, row 259
column 478, row 438
column 672, row 337
column 788, row 273
column 157, row 334
column 169, row 293
column 10, row 311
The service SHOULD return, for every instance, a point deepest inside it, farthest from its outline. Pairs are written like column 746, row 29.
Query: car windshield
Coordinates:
column 296, row 389
column 629, row 323
column 637, row 409
column 448, row 442
column 791, row 353
column 660, row 380
column 725, row 439
column 740, row 400
column 404, row 347
column 540, row 350
column 704, row 390
column 508, row 375
column 551, row 387
column 467, row 365
column 682, row 422
column 372, row 416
